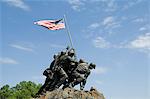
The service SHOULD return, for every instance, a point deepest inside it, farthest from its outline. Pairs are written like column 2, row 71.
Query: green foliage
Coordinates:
column 23, row 90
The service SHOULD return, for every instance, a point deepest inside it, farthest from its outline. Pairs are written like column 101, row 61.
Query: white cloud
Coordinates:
column 100, row 42
column 8, row 61
column 94, row 25
column 130, row 4
column 22, row 47
column 107, row 25
column 91, row 30
column 110, row 22
column 76, row 4
column 138, row 20
column 111, row 5
column 142, row 29
column 100, row 70
column 141, row 42
column 18, row 4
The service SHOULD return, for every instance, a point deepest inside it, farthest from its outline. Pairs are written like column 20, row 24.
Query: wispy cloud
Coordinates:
column 110, row 22
column 22, row 47
column 18, row 3
column 142, row 28
column 94, row 25
column 100, row 70
column 142, row 42
column 100, row 42
column 111, row 5
column 105, row 25
column 138, row 20
column 131, row 4
column 76, row 4
column 91, row 30
column 7, row 60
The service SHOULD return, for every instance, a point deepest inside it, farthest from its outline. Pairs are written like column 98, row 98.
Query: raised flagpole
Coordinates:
column 68, row 31
column 69, row 34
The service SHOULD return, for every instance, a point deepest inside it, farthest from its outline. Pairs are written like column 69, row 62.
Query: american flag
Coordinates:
column 51, row 24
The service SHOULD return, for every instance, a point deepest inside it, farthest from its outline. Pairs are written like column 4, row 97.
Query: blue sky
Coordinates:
column 113, row 34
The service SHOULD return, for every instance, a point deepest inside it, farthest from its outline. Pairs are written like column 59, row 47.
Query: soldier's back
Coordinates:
column 82, row 68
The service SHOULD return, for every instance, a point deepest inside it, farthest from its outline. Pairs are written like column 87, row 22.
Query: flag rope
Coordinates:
column 69, row 34
column 68, row 31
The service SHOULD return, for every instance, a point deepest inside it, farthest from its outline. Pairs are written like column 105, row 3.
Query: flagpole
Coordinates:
column 69, row 34
column 68, row 31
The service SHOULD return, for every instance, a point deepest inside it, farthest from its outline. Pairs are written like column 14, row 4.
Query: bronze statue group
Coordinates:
column 66, row 71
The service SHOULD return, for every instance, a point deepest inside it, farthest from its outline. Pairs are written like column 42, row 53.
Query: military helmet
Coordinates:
column 81, row 61
column 92, row 65
column 71, row 52
column 63, row 52
column 54, row 56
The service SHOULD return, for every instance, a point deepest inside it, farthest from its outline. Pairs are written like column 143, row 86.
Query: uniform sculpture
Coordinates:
column 67, row 71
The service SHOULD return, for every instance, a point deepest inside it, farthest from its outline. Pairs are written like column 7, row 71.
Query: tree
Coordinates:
column 23, row 90
column 5, row 92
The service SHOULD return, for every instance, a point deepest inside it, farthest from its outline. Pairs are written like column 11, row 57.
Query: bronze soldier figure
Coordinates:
column 80, row 74
column 65, row 69
column 49, row 73
column 66, row 64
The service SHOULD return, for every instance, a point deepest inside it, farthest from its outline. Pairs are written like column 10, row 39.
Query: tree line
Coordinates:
column 23, row 90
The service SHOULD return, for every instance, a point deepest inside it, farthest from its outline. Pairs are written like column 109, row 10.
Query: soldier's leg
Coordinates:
column 49, row 84
column 82, row 84
column 53, row 82
column 50, row 81
column 63, row 77
column 67, row 83
column 77, row 81
column 42, row 90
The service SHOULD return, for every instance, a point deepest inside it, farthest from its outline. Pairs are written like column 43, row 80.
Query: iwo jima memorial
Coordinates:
column 66, row 71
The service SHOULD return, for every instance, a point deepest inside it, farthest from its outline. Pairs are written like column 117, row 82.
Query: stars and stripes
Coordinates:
column 52, row 24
